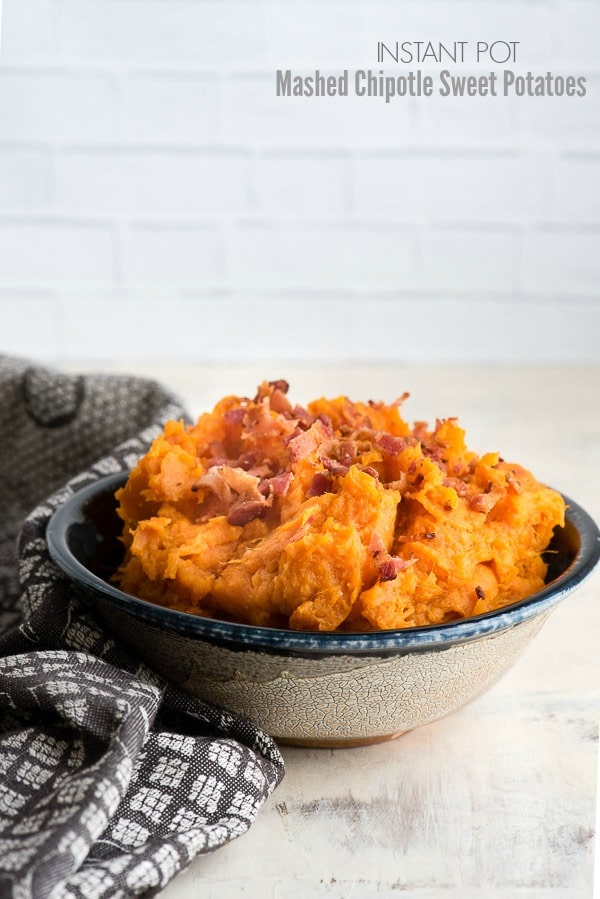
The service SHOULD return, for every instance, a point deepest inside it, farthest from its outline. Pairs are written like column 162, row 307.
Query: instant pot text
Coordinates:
column 417, row 83
column 455, row 79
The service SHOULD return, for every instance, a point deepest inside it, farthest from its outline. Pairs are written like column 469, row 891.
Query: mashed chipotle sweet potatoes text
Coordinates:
column 334, row 516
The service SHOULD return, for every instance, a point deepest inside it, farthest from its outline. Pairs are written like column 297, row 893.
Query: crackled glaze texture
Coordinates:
column 332, row 699
column 337, row 689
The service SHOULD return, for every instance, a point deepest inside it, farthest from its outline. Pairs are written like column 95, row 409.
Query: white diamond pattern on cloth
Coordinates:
column 111, row 780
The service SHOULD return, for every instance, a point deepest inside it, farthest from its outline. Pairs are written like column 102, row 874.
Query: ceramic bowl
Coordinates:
column 316, row 689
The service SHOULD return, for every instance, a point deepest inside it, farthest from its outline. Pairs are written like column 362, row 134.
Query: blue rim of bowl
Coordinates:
column 375, row 642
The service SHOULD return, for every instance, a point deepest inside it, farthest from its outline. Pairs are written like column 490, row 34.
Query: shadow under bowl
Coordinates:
column 304, row 688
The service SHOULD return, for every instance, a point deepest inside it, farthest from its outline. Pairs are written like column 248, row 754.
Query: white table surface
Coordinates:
column 497, row 800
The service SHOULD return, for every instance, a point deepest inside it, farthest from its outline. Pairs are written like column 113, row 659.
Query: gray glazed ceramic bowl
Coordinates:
column 306, row 688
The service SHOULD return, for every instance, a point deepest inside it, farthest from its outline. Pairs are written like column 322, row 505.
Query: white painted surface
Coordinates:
column 145, row 162
column 497, row 800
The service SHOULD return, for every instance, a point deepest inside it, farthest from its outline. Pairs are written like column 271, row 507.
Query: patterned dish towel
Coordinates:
column 111, row 780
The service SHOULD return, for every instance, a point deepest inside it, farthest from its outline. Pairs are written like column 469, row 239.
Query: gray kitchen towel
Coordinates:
column 111, row 780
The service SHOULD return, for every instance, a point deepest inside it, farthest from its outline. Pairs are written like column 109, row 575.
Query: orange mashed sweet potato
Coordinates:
column 334, row 516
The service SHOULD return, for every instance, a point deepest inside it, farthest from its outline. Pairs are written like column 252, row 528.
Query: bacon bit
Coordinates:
column 320, row 484
column 376, row 545
column 267, row 388
column 347, row 451
column 434, row 451
column 224, row 481
column 412, row 468
column 480, row 592
column 389, row 444
column 457, row 484
column 213, row 480
column 264, row 389
column 327, row 423
column 387, row 571
column 250, row 462
column 335, row 467
column 389, row 568
column 278, row 485
column 241, row 481
column 307, row 442
column 234, row 416
column 372, row 471
column 280, row 403
column 483, row 502
column 243, row 512
column 513, row 484
column 303, row 416
column 363, row 443
column 265, row 422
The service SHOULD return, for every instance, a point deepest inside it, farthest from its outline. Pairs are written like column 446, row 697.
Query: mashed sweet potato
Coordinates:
column 334, row 516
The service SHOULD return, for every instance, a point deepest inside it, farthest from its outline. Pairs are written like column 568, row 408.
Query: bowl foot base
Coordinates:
column 337, row 744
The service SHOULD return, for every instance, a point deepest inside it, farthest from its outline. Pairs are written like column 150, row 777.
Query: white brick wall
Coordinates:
column 55, row 106
column 50, row 253
column 577, row 191
column 560, row 261
column 160, row 32
column 172, row 254
column 451, row 186
column 322, row 256
column 25, row 178
column 158, row 201
column 153, row 184
column 171, row 109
